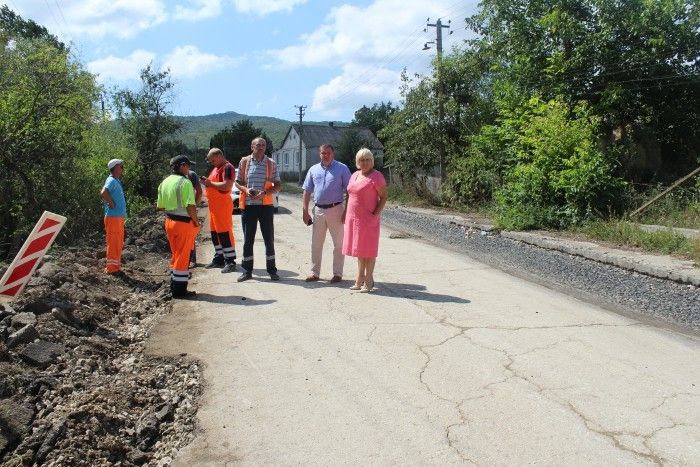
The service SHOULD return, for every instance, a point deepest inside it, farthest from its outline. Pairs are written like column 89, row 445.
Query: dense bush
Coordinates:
column 475, row 175
column 46, row 108
column 560, row 175
column 54, row 143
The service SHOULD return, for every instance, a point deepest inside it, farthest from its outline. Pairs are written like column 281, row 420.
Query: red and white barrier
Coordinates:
column 25, row 263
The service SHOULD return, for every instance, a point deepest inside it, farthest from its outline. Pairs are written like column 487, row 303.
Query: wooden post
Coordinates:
column 665, row 192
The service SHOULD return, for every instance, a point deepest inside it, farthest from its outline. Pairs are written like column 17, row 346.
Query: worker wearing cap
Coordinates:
column 112, row 195
column 218, row 187
column 176, row 197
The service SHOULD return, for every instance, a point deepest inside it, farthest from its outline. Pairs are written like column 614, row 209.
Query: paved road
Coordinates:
column 449, row 362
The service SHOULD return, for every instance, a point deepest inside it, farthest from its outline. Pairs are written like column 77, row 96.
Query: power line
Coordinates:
column 61, row 12
column 409, row 42
column 53, row 16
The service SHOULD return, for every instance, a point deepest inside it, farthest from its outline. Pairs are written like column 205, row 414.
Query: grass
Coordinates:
column 688, row 217
column 291, row 187
column 680, row 208
column 625, row 233
column 401, row 195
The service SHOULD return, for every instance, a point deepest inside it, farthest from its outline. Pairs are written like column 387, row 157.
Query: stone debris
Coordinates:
column 76, row 387
column 25, row 335
column 42, row 353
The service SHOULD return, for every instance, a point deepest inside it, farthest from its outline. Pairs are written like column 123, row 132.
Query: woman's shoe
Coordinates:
column 355, row 287
column 367, row 287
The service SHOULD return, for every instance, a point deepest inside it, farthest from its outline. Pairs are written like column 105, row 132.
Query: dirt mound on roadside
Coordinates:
column 75, row 385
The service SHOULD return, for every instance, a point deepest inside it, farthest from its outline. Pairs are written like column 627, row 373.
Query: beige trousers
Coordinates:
column 327, row 220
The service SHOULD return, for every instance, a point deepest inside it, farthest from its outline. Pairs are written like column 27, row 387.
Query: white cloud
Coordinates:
column 188, row 61
column 201, row 9
column 264, row 7
column 357, row 85
column 121, row 69
column 371, row 44
column 185, row 61
column 384, row 32
column 96, row 18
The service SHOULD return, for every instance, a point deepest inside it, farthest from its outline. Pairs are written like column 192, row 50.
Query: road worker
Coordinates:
column 218, row 187
column 112, row 195
column 176, row 198
column 258, row 182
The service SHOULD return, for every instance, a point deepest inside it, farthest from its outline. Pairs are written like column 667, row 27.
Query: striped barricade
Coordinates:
column 25, row 263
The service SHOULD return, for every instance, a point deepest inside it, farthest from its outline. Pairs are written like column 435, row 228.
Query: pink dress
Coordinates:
column 361, row 226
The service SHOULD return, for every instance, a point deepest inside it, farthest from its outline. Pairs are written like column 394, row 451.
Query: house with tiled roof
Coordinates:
column 313, row 136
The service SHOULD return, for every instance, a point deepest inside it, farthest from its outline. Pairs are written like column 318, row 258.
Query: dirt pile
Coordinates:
column 75, row 385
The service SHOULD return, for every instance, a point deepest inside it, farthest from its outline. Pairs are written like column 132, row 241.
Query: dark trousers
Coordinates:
column 251, row 215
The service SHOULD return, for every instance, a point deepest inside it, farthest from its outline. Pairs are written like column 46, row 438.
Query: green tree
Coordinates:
column 146, row 117
column 375, row 118
column 14, row 25
column 409, row 139
column 46, row 109
column 635, row 62
column 351, row 142
column 235, row 140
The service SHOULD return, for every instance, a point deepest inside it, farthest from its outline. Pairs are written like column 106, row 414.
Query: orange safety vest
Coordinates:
column 243, row 174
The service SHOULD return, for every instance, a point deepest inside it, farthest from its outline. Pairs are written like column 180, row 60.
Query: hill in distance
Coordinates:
column 198, row 130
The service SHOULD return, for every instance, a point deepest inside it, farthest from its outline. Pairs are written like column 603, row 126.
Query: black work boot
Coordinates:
column 230, row 266
column 216, row 262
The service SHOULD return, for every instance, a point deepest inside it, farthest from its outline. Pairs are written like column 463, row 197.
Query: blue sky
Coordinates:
column 256, row 57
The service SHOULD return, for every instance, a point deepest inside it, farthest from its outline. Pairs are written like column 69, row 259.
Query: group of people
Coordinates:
column 348, row 205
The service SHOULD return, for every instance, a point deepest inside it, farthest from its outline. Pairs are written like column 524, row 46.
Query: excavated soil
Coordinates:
column 76, row 387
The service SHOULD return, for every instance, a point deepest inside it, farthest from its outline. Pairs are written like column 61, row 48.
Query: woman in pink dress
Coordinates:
column 367, row 195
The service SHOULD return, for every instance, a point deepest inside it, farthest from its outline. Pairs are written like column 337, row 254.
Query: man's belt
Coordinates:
column 326, row 206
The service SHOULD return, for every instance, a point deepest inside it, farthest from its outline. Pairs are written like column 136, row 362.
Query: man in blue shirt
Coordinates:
column 112, row 195
column 327, row 181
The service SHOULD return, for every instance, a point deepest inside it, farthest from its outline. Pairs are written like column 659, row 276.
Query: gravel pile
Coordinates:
column 602, row 284
column 76, row 387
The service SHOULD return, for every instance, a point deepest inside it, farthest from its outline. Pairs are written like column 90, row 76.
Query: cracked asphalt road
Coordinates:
column 449, row 362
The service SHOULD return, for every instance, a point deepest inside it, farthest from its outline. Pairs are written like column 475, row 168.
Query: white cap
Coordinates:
column 113, row 163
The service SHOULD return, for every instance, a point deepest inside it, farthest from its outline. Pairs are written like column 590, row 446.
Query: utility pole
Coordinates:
column 301, row 108
column 441, row 101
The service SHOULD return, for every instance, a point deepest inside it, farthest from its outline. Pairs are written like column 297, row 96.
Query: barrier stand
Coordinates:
column 29, row 256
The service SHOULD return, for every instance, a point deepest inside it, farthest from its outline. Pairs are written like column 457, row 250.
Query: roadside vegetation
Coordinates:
column 292, row 188
column 628, row 234
column 58, row 129
column 680, row 208
column 561, row 115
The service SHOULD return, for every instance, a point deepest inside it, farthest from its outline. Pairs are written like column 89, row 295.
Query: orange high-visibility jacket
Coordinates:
column 243, row 176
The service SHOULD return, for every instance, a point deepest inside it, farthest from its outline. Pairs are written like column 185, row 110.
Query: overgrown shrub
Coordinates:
column 475, row 175
column 560, row 176
column 679, row 208
column 46, row 106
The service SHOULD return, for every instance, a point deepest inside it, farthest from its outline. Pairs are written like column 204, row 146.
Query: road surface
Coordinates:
column 448, row 362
